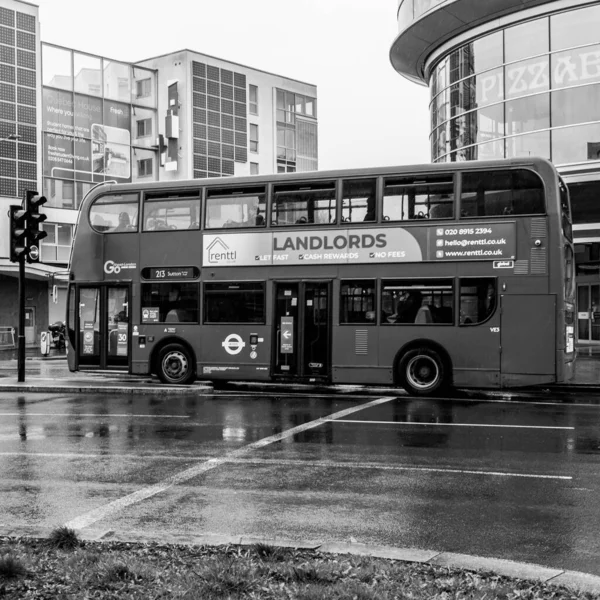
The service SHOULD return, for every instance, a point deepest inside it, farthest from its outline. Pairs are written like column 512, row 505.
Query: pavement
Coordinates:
column 50, row 374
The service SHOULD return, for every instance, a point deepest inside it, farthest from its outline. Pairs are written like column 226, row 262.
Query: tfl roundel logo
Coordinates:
column 233, row 344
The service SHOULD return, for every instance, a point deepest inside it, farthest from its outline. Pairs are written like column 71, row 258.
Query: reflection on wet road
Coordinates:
column 515, row 479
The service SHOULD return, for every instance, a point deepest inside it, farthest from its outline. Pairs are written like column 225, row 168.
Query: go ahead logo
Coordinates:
column 111, row 267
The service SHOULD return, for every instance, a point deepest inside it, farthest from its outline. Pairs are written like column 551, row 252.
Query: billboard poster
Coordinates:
column 85, row 137
column 489, row 241
column 58, row 155
column 58, row 112
column 118, row 115
column 87, row 110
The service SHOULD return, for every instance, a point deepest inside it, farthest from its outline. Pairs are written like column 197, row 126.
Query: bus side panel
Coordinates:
column 355, row 356
column 475, row 353
column 528, row 334
column 235, row 352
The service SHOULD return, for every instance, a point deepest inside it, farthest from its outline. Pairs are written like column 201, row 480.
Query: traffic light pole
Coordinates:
column 25, row 237
column 21, row 336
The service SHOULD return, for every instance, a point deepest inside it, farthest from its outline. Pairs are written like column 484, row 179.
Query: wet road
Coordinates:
column 515, row 479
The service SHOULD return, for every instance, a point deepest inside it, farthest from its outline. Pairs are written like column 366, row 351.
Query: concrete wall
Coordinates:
column 36, row 297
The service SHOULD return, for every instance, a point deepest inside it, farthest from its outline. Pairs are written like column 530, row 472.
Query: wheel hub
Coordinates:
column 176, row 365
column 422, row 372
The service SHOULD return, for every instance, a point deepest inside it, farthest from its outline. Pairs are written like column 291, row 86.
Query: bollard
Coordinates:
column 45, row 343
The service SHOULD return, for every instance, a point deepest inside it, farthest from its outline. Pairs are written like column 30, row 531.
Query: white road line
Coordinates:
column 379, row 466
column 112, row 507
column 298, row 463
column 455, row 424
column 106, row 415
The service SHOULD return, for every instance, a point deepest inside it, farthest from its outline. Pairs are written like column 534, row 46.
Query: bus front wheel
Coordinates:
column 422, row 371
column 175, row 365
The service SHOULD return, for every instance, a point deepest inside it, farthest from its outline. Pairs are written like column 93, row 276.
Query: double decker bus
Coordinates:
column 418, row 276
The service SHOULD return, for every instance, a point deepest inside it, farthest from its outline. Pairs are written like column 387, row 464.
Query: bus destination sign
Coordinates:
column 488, row 241
column 168, row 273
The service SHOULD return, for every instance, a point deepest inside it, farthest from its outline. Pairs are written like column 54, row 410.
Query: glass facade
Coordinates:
column 18, row 105
column 530, row 89
column 296, row 132
column 98, row 123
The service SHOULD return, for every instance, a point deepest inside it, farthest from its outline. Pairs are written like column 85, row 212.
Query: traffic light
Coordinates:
column 33, row 201
column 18, row 233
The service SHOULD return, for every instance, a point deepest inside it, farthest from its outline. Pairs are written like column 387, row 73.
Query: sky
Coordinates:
column 368, row 114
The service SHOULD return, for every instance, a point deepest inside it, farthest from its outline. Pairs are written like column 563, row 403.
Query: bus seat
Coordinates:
column 440, row 211
column 424, row 315
column 178, row 315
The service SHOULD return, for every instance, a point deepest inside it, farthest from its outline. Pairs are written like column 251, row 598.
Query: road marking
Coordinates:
column 379, row 466
column 299, row 463
column 108, row 416
column 302, row 463
column 112, row 507
column 454, row 424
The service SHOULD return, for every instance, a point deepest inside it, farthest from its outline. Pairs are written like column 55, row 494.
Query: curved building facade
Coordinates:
column 515, row 78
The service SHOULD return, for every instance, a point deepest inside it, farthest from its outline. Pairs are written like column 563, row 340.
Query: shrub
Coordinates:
column 65, row 538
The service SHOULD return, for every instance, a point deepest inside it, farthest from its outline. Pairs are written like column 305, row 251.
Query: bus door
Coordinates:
column 528, row 334
column 302, row 332
column 103, row 326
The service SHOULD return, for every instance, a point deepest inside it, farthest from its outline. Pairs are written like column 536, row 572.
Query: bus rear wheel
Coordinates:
column 175, row 365
column 422, row 372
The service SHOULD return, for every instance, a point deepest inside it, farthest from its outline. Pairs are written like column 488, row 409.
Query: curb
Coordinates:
column 576, row 580
column 13, row 386
column 103, row 389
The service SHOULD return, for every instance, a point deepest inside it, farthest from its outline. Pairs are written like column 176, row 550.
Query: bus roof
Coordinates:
column 253, row 180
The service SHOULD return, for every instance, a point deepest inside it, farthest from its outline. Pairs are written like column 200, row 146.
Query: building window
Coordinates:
column 286, row 148
column 253, row 100
column 144, row 127
column 289, row 105
column 253, row 137
column 144, row 167
column 60, row 193
column 56, row 246
column 143, row 88
column 253, row 168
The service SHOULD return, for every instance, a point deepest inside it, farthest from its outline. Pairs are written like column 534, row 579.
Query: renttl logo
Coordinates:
column 219, row 252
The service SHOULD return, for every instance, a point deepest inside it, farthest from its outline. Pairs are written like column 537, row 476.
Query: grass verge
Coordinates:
column 58, row 569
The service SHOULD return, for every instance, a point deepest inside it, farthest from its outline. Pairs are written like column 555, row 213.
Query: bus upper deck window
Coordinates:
column 297, row 204
column 235, row 207
column 115, row 213
column 418, row 197
column 167, row 214
column 501, row 193
column 359, row 200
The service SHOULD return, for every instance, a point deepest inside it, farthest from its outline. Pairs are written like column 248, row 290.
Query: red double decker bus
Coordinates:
column 419, row 276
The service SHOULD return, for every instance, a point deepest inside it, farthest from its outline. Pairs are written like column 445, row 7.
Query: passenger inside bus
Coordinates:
column 407, row 307
column 124, row 223
column 175, row 314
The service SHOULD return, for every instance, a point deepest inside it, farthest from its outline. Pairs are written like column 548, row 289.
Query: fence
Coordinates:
column 7, row 337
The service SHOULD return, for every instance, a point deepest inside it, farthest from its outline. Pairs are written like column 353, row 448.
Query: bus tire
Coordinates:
column 422, row 372
column 175, row 365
